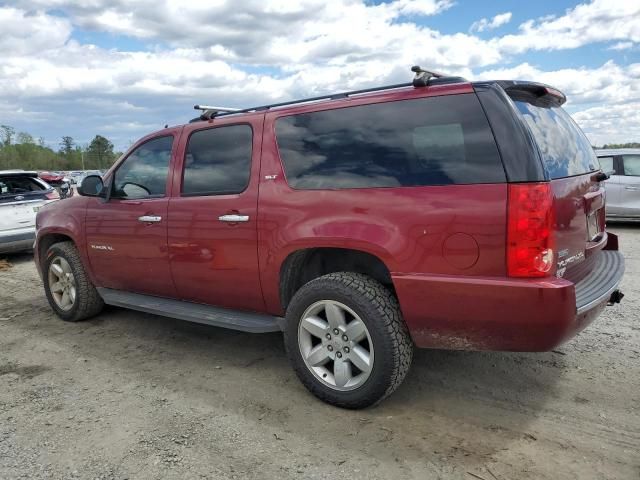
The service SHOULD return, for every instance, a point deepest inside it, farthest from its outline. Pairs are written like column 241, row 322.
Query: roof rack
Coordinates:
column 423, row 78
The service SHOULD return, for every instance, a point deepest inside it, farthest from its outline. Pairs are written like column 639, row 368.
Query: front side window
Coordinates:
column 606, row 164
column 631, row 165
column 218, row 161
column 427, row 141
column 144, row 172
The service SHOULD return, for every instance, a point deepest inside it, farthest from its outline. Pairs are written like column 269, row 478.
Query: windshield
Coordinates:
column 564, row 148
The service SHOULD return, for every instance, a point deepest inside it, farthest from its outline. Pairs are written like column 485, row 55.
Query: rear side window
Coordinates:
column 18, row 185
column 218, row 161
column 564, row 149
column 631, row 165
column 428, row 141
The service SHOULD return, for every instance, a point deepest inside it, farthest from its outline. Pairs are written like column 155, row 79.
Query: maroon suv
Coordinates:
column 440, row 213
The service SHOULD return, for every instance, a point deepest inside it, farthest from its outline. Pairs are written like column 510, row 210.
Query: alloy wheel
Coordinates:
column 335, row 345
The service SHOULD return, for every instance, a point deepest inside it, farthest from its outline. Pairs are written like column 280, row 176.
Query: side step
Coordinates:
column 194, row 312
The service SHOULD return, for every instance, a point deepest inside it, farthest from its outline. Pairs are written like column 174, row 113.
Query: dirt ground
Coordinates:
column 129, row 395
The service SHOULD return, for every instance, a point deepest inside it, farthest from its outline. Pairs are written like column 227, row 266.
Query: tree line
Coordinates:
column 622, row 145
column 20, row 150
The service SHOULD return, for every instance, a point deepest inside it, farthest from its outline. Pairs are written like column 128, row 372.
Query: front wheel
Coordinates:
column 346, row 339
column 67, row 286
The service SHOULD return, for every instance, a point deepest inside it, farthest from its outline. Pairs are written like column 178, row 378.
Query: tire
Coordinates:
column 86, row 302
column 345, row 381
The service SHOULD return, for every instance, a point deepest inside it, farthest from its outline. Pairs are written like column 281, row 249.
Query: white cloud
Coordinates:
column 218, row 51
column 489, row 24
column 598, row 21
column 604, row 124
column 621, row 46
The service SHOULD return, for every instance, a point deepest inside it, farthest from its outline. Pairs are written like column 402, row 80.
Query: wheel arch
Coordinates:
column 305, row 264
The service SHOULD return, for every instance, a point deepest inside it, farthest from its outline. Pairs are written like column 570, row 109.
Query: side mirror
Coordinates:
column 91, row 186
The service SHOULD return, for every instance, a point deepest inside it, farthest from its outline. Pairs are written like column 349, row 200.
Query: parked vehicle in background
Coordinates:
column 59, row 181
column 21, row 195
column 76, row 176
column 440, row 213
column 623, row 185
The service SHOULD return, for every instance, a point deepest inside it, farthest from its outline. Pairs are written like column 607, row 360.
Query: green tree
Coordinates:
column 25, row 138
column 100, row 153
column 6, row 134
column 66, row 146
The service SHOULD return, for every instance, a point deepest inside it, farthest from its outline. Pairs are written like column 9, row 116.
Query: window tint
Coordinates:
column 631, row 165
column 218, row 161
column 428, row 141
column 606, row 164
column 144, row 172
column 564, row 148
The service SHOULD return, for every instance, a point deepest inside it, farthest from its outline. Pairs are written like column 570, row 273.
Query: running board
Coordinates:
column 194, row 312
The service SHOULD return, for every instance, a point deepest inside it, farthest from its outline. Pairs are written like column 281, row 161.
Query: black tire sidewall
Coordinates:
column 381, row 375
column 67, row 315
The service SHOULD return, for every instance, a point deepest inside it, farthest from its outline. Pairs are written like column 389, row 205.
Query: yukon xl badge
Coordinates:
column 562, row 264
column 102, row 247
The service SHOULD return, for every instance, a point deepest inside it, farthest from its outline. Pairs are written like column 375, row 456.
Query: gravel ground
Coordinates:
column 129, row 395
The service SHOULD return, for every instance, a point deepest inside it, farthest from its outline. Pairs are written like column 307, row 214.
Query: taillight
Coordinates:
column 530, row 230
column 52, row 195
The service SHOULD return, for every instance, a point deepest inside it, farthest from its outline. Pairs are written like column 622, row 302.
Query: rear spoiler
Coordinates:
column 535, row 93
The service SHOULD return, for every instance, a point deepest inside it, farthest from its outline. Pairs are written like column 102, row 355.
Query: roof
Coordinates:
column 606, row 152
column 18, row 173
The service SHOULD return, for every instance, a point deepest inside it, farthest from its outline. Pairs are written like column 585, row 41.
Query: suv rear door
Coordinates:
column 127, row 234
column 213, row 214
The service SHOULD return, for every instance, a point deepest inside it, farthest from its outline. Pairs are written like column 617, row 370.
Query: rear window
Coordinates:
column 18, row 185
column 564, row 149
column 428, row 141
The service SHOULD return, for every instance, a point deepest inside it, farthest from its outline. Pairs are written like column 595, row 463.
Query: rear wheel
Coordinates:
column 67, row 286
column 346, row 339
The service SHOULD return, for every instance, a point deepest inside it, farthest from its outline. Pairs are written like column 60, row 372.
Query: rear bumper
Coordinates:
column 471, row 313
column 17, row 240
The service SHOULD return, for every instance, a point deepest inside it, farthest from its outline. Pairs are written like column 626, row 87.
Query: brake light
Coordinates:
column 530, row 239
column 53, row 195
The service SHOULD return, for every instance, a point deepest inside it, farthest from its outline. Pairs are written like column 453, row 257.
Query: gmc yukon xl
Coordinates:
column 440, row 213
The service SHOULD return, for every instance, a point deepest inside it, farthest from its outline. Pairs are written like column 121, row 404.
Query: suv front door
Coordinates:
column 127, row 234
column 630, row 183
column 213, row 214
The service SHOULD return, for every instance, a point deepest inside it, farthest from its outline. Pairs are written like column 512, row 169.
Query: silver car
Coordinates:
column 21, row 195
column 623, row 187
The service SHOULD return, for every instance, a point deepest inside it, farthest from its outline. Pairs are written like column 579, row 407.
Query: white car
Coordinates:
column 21, row 195
column 623, row 186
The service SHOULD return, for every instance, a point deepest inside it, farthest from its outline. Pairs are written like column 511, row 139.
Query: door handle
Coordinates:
column 149, row 219
column 233, row 218
column 635, row 189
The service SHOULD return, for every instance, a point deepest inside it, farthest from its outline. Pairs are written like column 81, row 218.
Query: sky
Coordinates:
column 124, row 68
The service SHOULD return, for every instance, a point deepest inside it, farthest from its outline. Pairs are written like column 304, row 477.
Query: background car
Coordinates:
column 59, row 181
column 623, row 187
column 21, row 195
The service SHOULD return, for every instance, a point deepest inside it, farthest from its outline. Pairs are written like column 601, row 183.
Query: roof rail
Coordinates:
column 423, row 78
